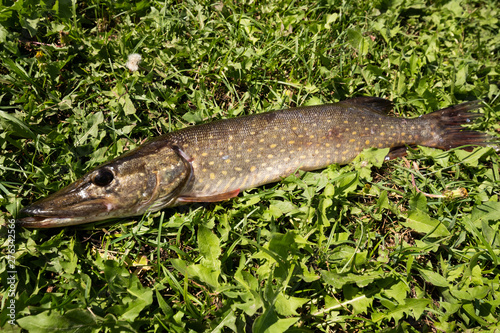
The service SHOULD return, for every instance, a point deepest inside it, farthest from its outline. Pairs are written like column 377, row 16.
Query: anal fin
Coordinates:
column 210, row 198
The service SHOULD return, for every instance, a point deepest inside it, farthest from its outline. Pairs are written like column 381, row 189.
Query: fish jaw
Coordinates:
column 127, row 186
column 43, row 218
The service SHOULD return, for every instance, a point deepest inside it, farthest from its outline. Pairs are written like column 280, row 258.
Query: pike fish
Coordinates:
column 218, row 160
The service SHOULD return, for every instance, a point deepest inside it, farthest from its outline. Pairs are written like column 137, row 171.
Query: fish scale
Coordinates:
column 251, row 151
column 218, row 160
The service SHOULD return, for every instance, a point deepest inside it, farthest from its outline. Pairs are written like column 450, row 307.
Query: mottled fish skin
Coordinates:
column 216, row 161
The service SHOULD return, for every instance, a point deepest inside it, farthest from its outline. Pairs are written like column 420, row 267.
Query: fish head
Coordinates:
column 145, row 179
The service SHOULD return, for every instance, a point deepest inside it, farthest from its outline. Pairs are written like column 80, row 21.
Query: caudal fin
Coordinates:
column 448, row 125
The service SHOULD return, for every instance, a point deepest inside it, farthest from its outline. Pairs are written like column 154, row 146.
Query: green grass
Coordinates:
column 348, row 248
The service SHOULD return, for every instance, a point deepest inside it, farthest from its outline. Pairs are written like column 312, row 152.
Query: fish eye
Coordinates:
column 103, row 177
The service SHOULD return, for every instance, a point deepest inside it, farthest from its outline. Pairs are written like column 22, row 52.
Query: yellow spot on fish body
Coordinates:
column 244, row 181
column 294, row 128
column 204, row 170
column 252, row 133
column 382, row 134
column 261, row 140
column 311, row 136
column 204, row 154
column 224, row 172
column 228, row 160
column 291, row 142
column 367, row 142
column 252, row 168
column 211, row 163
column 338, row 145
column 270, row 156
column 249, row 150
column 212, row 175
column 346, row 122
column 354, row 133
column 230, row 148
column 403, row 134
column 352, row 140
column 237, row 169
column 327, row 144
column 273, row 146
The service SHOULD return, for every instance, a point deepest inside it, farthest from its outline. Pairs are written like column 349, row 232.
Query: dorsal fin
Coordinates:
column 375, row 104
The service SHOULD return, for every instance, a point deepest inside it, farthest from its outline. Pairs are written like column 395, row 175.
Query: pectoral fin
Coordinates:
column 396, row 152
column 210, row 198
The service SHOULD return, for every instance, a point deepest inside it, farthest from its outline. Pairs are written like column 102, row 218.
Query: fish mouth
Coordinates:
column 43, row 216
column 46, row 222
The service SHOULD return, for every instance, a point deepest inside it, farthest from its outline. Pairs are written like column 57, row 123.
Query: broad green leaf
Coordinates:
column 287, row 305
column 11, row 124
column 347, row 182
column 75, row 320
column 209, row 244
column 165, row 308
column 339, row 280
column 411, row 308
column 127, row 104
column 472, row 158
column 435, row 278
column 398, row 291
column 357, row 299
column 269, row 322
column 205, row 274
column 423, row 223
column 488, row 211
column 357, row 41
column 418, row 202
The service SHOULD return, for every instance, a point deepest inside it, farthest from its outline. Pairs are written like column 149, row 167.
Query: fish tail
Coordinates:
column 446, row 131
